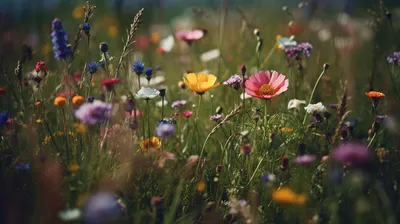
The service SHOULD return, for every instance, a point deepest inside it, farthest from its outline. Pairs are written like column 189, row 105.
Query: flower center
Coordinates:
column 267, row 89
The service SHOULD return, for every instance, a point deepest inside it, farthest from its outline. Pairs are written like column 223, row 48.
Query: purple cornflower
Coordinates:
column 165, row 129
column 94, row 113
column 101, row 207
column 394, row 58
column 301, row 48
column 92, row 67
column 234, row 81
column 215, row 117
column 22, row 166
column 304, row 159
column 60, row 41
column 178, row 103
column 352, row 153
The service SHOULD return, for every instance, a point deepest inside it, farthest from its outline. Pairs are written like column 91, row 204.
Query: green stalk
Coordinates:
column 313, row 91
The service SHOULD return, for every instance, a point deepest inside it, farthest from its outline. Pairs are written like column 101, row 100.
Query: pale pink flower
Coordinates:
column 190, row 35
column 265, row 85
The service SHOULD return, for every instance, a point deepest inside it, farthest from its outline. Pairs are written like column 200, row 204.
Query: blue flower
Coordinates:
column 22, row 166
column 86, row 28
column 60, row 41
column 148, row 72
column 92, row 67
column 4, row 118
column 165, row 129
column 91, row 99
column 138, row 67
column 101, row 207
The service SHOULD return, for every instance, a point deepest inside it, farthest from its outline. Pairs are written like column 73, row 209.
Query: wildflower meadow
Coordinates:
column 223, row 112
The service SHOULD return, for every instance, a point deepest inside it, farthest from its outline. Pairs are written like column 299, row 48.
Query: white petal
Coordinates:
column 210, row 55
column 167, row 43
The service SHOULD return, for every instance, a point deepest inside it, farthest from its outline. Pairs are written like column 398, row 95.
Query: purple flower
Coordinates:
column 215, row 117
column 305, row 159
column 352, row 153
column 301, row 48
column 234, row 81
column 94, row 113
column 178, row 103
column 267, row 178
column 22, row 166
column 394, row 58
column 165, row 130
column 381, row 117
column 60, row 40
column 101, row 207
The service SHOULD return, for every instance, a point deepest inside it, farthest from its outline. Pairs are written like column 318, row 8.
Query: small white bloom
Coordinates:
column 324, row 35
column 295, row 104
column 245, row 96
column 69, row 215
column 285, row 42
column 147, row 93
column 315, row 108
column 167, row 43
column 159, row 103
column 124, row 98
column 210, row 55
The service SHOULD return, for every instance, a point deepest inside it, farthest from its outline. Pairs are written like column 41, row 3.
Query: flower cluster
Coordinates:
column 298, row 50
column 94, row 113
column 60, row 41
column 394, row 58
column 234, row 81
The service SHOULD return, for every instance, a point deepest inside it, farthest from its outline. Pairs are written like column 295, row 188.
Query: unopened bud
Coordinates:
column 243, row 69
column 326, row 66
column 257, row 32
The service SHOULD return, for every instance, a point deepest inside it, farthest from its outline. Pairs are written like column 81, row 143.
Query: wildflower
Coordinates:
column 70, row 215
column 304, row 159
column 149, row 73
column 73, row 168
column 201, row 186
column 352, row 153
column 60, row 41
column 94, row 113
column 315, row 108
column 240, row 207
column 138, row 67
column 91, row 98
column 200, row 83
column 108, row 83
column 295, row 104
column 2, row 90
column 374, row 95
column 167, row 44
column 268, row 178
column 246, row 149
column 190, row 35
column 60, row 101
column 4, row 118
column 41, row 67
column 86, row 28
column 77, row 100
column 152, row 143
column 284, row 162
column 165, row 130
column 92, row 67
column 245, row 96
column 101, row 207
column 285, row 130
column 382, row 154
column 394, row 58
column 285, row 195
column 234, row 81
column 284, row 42
column 103, row 47
column 210, row 55
column 178, row 103
column 20, row 166
column 300, row 49
column 266, row 86
column 147, row 93
column 187, row 113
column 39, row 121
column 216, row 117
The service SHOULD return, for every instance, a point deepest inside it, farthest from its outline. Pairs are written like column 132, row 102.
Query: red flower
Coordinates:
column 109, row 82
column 41, row 67
column 2, row 90
column 187, row 113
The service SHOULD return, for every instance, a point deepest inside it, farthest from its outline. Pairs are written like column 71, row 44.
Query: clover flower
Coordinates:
column 165, row 129
column 300, row 49
column 60, row 41
column 234, row 81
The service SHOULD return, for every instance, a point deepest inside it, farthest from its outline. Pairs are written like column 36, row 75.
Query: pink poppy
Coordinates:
column 266, row 86
column 190, row 35
column 187, row 113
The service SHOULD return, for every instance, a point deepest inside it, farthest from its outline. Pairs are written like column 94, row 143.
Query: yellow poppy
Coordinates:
column 200, row 83
column 152, row 143
column 285, row 195
column 60, row 101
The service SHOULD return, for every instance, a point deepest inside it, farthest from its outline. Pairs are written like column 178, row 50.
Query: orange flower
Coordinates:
column 285, row 195
column 152, row 143
column 77, row 100
column 74, row 167
column 60, row 101
column 374, row 94
column 38, row 103
column 201, row 186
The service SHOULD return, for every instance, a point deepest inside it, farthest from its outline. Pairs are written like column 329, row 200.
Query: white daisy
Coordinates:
column 147, row 93
column 315, row 108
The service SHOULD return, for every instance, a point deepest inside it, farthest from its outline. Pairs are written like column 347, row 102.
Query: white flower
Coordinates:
column 244, row 96
column 153, row 81
column 210, row 55
column 295, row 104
column 159, row 103
column 147, row 93
column 285, row 42
column 69, row 215
column 167, row 43
column 315, row 108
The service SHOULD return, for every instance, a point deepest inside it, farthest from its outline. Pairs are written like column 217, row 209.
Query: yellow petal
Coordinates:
column 211, row 79
column 278, row 37
column 189, row 85
column 202, row 77
column 191, row 78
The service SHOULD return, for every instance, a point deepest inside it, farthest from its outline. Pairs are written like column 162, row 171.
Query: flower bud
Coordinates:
column 219, row 110
column 181, row 85
column 243, row 69
column 326, row 66
column 103, row 47
column 162, row 92
column 257, row 32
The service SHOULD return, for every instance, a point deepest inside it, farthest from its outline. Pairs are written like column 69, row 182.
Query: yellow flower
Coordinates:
column 60, row 101
column 74, row 167
column 38, row 121
column 112, row 31
column 201, row 186
column 286, row 130
column 152, row 143
column 155, row 37
column 200, row 83
column 77, row 100
column 77, row 13
column 80, row 128
column 285, row 195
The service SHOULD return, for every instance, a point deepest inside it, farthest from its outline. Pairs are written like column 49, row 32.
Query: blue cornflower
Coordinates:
column 4, row 117
column 165, row 129
column 22, row 166
column 138, row 67
column 86, row 28
column 91, row 99
column 92, row 67
column 148, row 72
column 60, row 41
column 160, row 122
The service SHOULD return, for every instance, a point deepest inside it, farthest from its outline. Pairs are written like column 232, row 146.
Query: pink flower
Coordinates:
column 190, row 35
column 263, row 85
column 131, row 113
column 187, row 113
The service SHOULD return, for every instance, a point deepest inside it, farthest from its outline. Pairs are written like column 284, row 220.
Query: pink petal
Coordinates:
column 274, row 76
column 278, row 81
column 195, row 34
column 254, row 80
column 250, row 85
column 261, row 77
column 251, row 92
column 268, row 75
column 283, row 88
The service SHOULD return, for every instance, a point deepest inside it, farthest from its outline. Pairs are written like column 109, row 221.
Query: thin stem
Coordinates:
column 138, row 78
column 162, row 108
column 266, row 111
column 313, row 91
column 148, row 121
column 198, row 106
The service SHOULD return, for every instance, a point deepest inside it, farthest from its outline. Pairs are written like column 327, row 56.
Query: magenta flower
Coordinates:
column 304, row 159
column 216, row 117
column 352, row 153
column 190, row 35
column 178, row 103
column 187, row 113
column 94, row 113
column 265, row 85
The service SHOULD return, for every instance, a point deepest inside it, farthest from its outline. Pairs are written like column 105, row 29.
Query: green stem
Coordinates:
column 148, row 121
column 198, row 106
column 265, row 112
column 313, row 91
